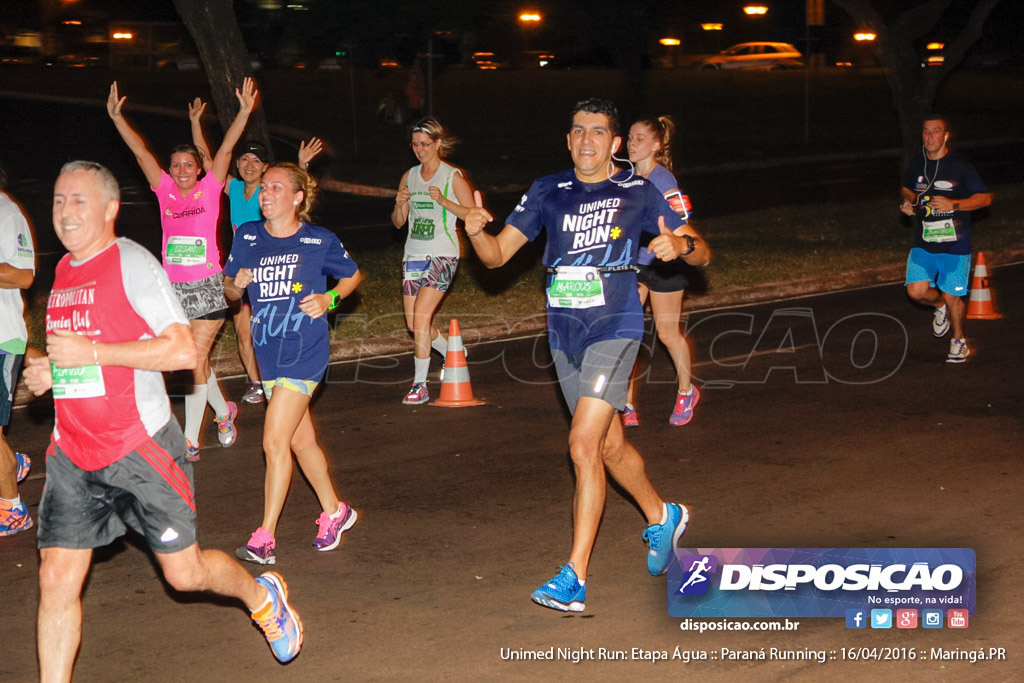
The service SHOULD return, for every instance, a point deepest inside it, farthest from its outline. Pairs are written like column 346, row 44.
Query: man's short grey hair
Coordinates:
column 107, row 178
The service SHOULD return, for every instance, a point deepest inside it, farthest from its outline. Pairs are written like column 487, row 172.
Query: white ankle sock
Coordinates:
column 440, row 344
column 421, row 366
column 214, row 397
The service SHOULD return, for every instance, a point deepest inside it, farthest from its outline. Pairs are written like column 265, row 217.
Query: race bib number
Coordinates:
column 414, row 270
column 938, row 231
column 83, row 382
column 576, row 287
column 422, row 229
column 185, row 251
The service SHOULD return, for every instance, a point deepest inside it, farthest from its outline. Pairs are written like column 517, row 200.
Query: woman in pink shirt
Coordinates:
column 189, row 213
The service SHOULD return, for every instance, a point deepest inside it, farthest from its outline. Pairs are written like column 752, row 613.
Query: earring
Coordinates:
column 295, row 203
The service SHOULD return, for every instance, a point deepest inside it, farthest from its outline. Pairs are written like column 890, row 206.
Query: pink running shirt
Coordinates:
column 189, row 248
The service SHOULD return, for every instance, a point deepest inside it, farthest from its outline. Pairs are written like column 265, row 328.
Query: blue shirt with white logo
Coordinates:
column 288, row 343
column 593, row 224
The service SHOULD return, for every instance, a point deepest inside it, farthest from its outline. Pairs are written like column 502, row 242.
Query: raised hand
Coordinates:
column 666, row 245
column 196, row 109
column 477, row 217
column 309, row 152
column 402, row 198
column 247, row 95
column 435, row 193
column 114, row 101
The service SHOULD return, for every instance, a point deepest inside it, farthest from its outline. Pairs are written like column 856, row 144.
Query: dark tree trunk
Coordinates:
column 914, row 87
column 214, row 29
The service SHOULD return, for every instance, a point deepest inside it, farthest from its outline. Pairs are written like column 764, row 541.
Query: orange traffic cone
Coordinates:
column 979, row 307
column 456, row 391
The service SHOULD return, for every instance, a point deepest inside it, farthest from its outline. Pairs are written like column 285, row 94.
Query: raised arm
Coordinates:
column 309, row 152
column 400, row 214
column 147, row 162
column 494, row 251
column 463, row 193
column 195, row 116
column 246, row 104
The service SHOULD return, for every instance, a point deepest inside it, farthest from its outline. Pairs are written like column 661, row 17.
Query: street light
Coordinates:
column 529, row 17
column 711, row 27
column 670, row 41
column 755, row 10
column 864, row 37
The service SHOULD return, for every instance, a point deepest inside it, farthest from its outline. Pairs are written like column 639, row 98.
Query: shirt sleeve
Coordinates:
column 527, row 217
column 16, row 248
column 656, row 205
column 239, row 249
column 337, row 261
column 148, row 289
column 910, row 177
column 972, row 181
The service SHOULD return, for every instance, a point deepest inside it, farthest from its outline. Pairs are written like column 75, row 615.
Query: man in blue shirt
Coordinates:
column 939, row 192
column 594, row 215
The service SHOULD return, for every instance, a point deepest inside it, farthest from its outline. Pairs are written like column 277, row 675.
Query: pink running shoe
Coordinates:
column 629, row 417
column 259, row 549
column 333, row 526
column 685, row 403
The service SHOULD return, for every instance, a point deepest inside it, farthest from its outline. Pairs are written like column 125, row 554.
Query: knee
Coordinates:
column 669, row 334
column 584, row 452
column 275, row 447
column 185, row 579
column 56, row 582
column 918, row 290
column 303, row 442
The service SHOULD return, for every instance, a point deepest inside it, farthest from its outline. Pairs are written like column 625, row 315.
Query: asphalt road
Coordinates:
column 826, row 422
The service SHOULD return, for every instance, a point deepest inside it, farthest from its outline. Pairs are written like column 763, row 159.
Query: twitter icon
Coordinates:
column 881, row 618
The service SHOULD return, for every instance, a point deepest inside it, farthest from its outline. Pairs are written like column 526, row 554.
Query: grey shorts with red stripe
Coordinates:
column 150, row 490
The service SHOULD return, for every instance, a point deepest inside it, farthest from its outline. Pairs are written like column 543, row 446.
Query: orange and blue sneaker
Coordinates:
column 226, row 432
column 563, row 592
column 629, row 416
column 333, row 526
column 279, row 621
column 24, row 465
column 14, row 518
column 418, row 395
column 260, row 548
column 685, row 403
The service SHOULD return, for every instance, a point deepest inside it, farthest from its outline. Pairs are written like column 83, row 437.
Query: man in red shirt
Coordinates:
column 118, row 455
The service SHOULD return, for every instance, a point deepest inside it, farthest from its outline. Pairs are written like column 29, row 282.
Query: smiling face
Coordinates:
column 424, row 147
column 184, row 171
column 641, row 143
column 279, row 199
column 83, row 213
column 250, row 168
column 591, row 143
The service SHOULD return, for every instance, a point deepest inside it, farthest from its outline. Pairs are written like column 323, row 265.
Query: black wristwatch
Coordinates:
column 691, row 245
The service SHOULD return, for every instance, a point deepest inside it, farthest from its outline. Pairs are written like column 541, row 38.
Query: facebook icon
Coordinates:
column 856, row 618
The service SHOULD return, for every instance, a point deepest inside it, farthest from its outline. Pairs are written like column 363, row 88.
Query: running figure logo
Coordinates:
column 695, row 579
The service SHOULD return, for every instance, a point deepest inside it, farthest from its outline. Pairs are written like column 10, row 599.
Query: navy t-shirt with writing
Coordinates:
column 593, row 224
column 949, row 176
column 288, row 343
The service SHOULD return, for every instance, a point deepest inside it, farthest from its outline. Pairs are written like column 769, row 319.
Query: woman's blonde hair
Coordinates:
column 663, row 128
column 300, row 181
column 433, row 129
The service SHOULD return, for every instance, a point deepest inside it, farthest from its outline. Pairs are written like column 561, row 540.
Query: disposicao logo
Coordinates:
column 818, row 582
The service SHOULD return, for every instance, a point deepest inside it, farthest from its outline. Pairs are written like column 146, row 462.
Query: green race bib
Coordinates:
column 83, row 382
column 938, row 231
column 185, row 251
column 576, row 287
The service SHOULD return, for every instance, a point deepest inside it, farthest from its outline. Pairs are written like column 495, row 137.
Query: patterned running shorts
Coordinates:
column 435, row 272
column 202, row 299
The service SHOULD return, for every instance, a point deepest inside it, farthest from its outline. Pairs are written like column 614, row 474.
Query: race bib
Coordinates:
column 422, row 229
column 576, row 287
column 938, row 231
column 83, row 382
column 185, row 251
column 416, row 269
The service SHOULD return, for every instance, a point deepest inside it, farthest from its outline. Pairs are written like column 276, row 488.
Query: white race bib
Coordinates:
column 576, row 287
column 83, row 382
column 185, row 251
column 938, row 231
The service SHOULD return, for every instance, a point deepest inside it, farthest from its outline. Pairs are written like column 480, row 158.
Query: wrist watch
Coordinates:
column 956, row 206
column 691, row 245
column 335, row 299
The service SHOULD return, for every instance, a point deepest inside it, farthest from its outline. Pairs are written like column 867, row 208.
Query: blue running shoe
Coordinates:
column 563, row 592
column 24, row 465
column 280, row 623
column 662, row 538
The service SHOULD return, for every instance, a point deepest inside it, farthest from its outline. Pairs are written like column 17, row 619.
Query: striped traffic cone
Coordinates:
column 979, row 306
column 456, row 391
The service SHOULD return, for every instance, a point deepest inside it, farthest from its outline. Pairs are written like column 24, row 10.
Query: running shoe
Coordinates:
column 226, row 432
column 418, row 395
column 940, row 323
column 332, row 527
column 685, row 403
column 958, row 351
column 191, row 451
column 254, row 394
column 14, row 518
column 259, row 549
column 279, row 621
column 629, row 416
column 24, row 465
column 662, row 538
column 563, row 592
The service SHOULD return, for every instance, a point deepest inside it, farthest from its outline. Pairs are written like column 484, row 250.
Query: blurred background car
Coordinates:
column 776, row 56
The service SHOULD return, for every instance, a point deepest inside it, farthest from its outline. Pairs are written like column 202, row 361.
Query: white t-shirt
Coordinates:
column 431, row 227
column 17, row 250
